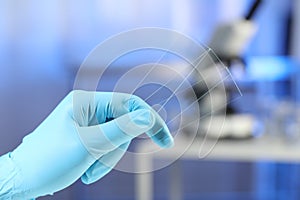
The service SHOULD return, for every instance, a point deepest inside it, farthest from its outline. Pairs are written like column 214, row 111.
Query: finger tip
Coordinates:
column 168, row 142
column 163, row 138
column 95, row 172
column 85, row 180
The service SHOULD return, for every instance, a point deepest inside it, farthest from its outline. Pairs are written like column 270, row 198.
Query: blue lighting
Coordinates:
column 270, row 68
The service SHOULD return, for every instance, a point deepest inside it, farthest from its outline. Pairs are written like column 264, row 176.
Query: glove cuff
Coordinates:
column 9, row 179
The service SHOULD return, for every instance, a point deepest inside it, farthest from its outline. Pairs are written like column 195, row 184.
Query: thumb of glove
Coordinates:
column 103, row 138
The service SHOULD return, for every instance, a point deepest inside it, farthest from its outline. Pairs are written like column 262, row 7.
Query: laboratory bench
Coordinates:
column 266, row 148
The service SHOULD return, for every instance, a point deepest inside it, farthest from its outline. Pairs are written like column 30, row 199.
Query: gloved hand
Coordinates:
column 85, row 136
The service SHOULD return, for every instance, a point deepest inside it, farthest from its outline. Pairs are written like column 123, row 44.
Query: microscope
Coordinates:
column 211, row 87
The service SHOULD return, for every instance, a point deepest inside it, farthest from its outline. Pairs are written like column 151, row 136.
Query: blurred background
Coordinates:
column 43, row 43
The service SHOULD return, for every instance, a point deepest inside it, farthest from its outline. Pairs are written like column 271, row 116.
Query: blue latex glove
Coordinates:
column 85, row 136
